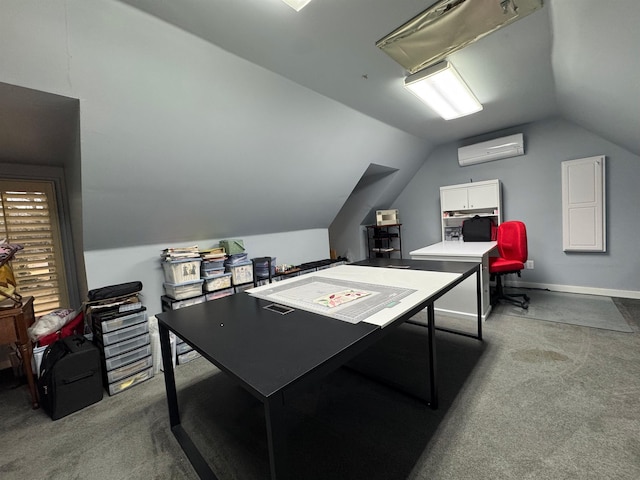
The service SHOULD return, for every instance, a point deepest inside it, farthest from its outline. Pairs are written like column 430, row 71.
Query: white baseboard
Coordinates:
column 606, row 292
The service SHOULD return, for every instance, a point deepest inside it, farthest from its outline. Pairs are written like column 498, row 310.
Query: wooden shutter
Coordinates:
column 28, row 217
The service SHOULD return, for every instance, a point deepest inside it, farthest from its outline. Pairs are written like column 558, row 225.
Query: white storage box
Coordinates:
column 182, row 271
column 387, row 217
column 184, row 290
column 241, row 273
column 217, row 282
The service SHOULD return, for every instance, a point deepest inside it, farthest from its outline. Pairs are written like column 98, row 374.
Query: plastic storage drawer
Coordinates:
column 187, row 357
column 128, row 357
column 129, row 382
column 124, row 334
column 130, row 369
column 127, row 345
column 183, row 348
column 122, row 322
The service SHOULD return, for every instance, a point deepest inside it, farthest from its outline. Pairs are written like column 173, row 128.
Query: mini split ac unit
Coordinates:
column 505, row 147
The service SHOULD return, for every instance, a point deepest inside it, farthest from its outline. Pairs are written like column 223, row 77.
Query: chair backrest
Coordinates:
column 512, row 241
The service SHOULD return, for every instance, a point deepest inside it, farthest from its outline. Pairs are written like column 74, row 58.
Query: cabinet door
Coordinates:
column 453, row 199
column 583, row 208
column 483, row 196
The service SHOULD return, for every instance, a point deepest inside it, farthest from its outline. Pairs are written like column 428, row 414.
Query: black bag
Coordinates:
column 112, row 291
column 478, row 229
column 70, row 376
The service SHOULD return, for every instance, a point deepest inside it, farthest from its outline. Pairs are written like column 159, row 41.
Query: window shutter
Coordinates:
column 28, row 217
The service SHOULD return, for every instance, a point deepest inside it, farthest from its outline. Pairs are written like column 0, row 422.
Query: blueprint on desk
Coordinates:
column 350, row 301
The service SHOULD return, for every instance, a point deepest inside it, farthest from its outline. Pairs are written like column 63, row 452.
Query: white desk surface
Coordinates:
column 425, row 284
column 455, row 249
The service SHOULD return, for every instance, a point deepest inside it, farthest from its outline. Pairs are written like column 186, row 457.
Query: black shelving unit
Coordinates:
column 383, row 241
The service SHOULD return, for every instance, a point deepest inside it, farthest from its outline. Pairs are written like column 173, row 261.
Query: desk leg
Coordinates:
column 433, row 381
column 169, row 377
column 26, row 352
column 479, row 299
column 191, row 451
column 276, row 436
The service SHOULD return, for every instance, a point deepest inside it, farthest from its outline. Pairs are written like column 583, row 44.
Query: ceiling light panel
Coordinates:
column 297, row 5
column 444, row 91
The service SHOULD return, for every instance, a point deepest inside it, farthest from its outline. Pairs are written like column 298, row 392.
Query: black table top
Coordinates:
column 264, row 350
column 268, row 352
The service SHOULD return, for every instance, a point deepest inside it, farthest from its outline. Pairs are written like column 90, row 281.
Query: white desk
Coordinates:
column 461, row 301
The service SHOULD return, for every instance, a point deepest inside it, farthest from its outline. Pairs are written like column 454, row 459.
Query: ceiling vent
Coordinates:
column 448, row 26
column 505, row 147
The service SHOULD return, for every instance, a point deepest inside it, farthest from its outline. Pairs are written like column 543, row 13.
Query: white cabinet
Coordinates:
column 469, row 196
column 583, row 205
column 459, row 202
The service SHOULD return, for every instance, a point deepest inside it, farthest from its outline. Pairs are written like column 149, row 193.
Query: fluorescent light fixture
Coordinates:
column 442, row 89
column 297, row 5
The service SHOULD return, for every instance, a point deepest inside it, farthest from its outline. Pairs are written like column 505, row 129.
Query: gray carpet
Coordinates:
column 535, row 400
column 586, row 310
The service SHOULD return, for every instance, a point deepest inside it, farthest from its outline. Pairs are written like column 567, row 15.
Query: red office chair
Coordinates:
column 512, row 247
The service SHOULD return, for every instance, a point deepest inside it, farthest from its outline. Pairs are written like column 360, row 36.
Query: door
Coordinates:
column 583, row 205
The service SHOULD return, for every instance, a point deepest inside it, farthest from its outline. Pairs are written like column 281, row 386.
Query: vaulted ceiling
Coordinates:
column 573, row 58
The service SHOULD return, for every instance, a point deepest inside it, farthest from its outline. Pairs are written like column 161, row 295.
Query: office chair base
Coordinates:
column 499, row 295
column 524, row 303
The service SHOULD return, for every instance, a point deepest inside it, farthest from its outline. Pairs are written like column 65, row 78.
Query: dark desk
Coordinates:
column 272, row 356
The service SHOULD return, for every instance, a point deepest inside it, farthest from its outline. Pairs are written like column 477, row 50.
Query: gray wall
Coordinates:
column 531, row 192
column 181, row 141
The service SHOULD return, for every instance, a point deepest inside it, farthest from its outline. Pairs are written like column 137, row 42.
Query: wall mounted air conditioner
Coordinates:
column 505, row 147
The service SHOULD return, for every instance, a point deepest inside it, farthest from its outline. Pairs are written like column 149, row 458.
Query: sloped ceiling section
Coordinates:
column 596, row 64
column 329, row 47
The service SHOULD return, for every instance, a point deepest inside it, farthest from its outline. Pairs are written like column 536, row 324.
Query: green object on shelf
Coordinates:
column 231, row 247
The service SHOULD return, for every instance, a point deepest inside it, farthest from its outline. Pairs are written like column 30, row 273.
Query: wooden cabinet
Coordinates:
column 384, row 240
column 13, row 329
column 459, row 202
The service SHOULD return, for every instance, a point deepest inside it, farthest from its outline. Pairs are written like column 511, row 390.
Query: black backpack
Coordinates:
column 70, row 376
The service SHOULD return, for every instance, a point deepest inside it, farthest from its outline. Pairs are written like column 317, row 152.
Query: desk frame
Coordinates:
column 274, row 403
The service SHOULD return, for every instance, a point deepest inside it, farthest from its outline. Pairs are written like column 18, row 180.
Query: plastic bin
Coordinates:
column 219, row 293
column 241, row 273
column 184, row 290
column 171, row 304
column 217, row 282
column 182, row 271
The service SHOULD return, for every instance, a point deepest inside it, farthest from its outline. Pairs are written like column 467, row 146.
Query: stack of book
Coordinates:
column 180, row 253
